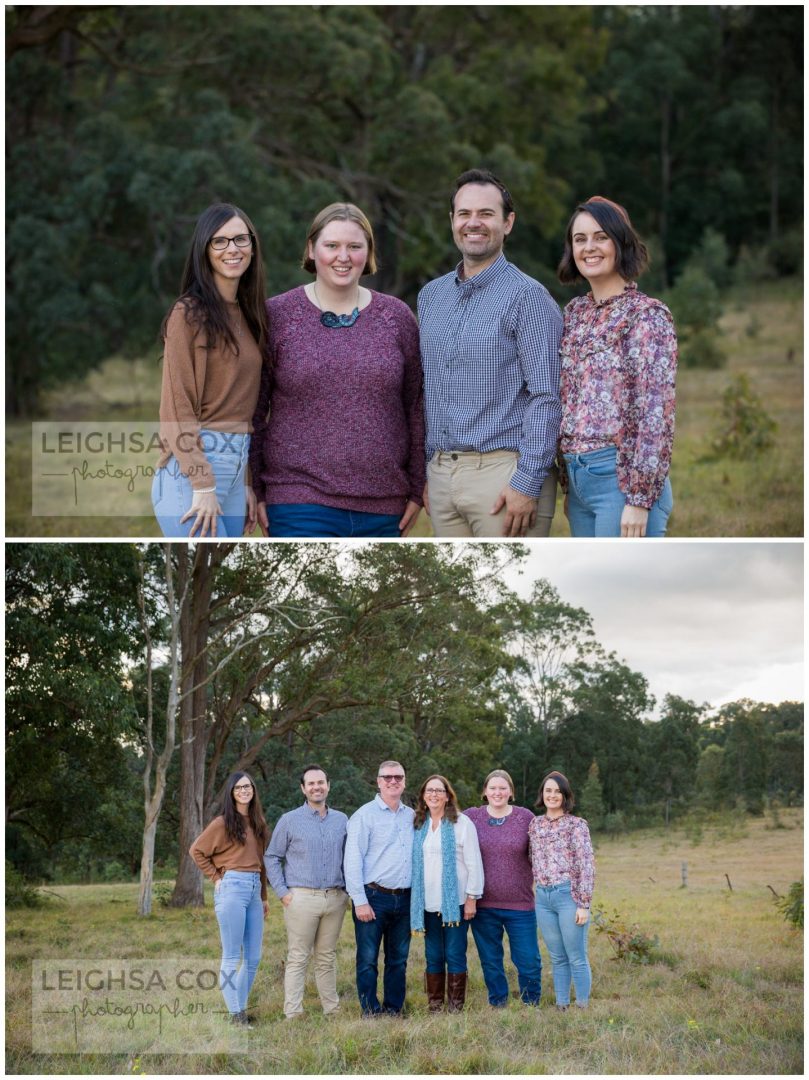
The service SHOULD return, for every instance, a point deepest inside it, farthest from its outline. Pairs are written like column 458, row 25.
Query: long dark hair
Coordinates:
column 234, row 821
column 451, row 810
column 198, row 292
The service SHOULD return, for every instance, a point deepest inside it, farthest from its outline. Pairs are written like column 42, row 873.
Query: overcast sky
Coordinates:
column 713, row 622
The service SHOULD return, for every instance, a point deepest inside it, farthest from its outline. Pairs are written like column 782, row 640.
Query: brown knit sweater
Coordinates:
column 214, row 853
column 205, row 388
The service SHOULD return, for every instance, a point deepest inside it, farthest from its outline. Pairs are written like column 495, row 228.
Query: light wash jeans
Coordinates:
column 566, row 942
column 595, row 502
column 172, row 491
column 240, row 913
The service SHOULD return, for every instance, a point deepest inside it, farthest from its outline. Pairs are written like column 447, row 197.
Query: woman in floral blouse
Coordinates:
column 619, row 357
column 562, row 861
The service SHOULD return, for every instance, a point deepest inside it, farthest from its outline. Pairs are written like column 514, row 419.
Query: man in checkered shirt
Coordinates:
column 490, row 352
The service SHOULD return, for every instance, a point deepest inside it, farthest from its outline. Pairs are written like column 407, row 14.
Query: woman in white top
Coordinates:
column 447, row 883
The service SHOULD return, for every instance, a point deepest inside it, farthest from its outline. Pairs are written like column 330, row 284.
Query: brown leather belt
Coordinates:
column 381, row 888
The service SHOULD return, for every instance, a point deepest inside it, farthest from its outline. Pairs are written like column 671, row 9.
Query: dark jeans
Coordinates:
column 444, row 946
column 391, row 926
column 521, row 926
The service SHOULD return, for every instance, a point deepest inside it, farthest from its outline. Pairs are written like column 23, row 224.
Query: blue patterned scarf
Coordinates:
column 449, row 878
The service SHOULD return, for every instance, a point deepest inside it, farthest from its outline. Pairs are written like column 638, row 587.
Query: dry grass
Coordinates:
column 725, row 998
column 762, row 335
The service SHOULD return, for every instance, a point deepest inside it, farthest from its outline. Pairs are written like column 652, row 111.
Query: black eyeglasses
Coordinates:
column 220, row 243
column 393, row 778
column 243, row 787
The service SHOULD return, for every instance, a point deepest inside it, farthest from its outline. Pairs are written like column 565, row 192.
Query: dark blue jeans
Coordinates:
column 444, row 946
column 311, row 519
column 391, row 927
column 521, row 926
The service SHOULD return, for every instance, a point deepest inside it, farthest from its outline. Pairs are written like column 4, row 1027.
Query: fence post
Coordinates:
column 684, row 874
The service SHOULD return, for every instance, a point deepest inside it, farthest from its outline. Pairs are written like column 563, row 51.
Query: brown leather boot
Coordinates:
column 456, row 991
column 434, row 985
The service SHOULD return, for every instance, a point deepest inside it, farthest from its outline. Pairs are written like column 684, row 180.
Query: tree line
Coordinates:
column 139, row 676
column 124, row 122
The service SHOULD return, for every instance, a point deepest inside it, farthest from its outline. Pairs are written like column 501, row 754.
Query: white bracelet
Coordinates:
column 204, row 491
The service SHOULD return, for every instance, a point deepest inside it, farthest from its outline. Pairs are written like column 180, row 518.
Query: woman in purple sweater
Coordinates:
column 338, row 444
column 507, row 903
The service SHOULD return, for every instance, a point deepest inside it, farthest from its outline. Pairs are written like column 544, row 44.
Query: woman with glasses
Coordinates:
column 338, row 448
column 447, row 883
column 214, row 337
column 562, row 859
column 619, row 358
column 507, row 904
column 230, row 852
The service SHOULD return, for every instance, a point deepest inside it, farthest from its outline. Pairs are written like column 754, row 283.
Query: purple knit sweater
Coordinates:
column 508, row 880
column 346, row 419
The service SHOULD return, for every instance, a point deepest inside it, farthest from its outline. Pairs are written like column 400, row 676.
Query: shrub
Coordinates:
column 614, row 823
column 162, row 893
column 702, row 349
column 114, row 871
column 791, row 905
column 753, row 265
column 19, row 892
column 696, row 307
column 712, row 257
column 630, row 942
column 747, row 429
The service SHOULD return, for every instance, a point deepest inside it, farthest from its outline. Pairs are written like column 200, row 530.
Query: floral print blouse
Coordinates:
column 619, row 359
column 561, row 851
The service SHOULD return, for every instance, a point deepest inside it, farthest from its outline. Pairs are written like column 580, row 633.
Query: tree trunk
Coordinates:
column 154, row 795
column 194, row 729
column 665, row 183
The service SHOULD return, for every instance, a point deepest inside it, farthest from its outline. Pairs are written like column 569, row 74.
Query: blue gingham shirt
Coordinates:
column 379, row 848
column 306, row 851
column 490, row 353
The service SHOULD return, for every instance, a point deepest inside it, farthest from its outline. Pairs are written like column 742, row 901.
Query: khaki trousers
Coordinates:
column 464, row 486
column 313, row 920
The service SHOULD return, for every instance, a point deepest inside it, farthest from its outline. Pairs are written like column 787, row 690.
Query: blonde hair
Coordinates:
column 495, row 774
column 339, row 212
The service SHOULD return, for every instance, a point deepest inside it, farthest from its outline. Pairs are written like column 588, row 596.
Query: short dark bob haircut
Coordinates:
column 631, row 256
column 564, row 786
column 483, row 176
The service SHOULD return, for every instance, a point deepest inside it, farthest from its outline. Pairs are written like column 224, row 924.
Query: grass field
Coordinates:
column 724, row 996
column 762, row 335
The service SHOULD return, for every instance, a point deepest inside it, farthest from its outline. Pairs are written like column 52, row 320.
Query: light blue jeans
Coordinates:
column 566, row 942
column 240, row 913
column 172, row 491
column 595, row 502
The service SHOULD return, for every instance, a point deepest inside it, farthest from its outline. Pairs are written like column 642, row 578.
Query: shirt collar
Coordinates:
column 308, row 809
column 380, row 802
column 484, row 278
column 628, row 289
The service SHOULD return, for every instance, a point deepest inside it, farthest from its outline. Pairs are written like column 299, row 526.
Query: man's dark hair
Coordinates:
column 483, row 176
column 313, row 768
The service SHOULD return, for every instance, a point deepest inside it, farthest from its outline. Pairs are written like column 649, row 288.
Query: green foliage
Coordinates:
column 712, row 257
column 162, row 893
column 791, row 905
column 753, row 265
column 628, row 940
column 591, row 800
column 695, row 303
column 745, row 427
column 124, row 122
column 19, row 892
